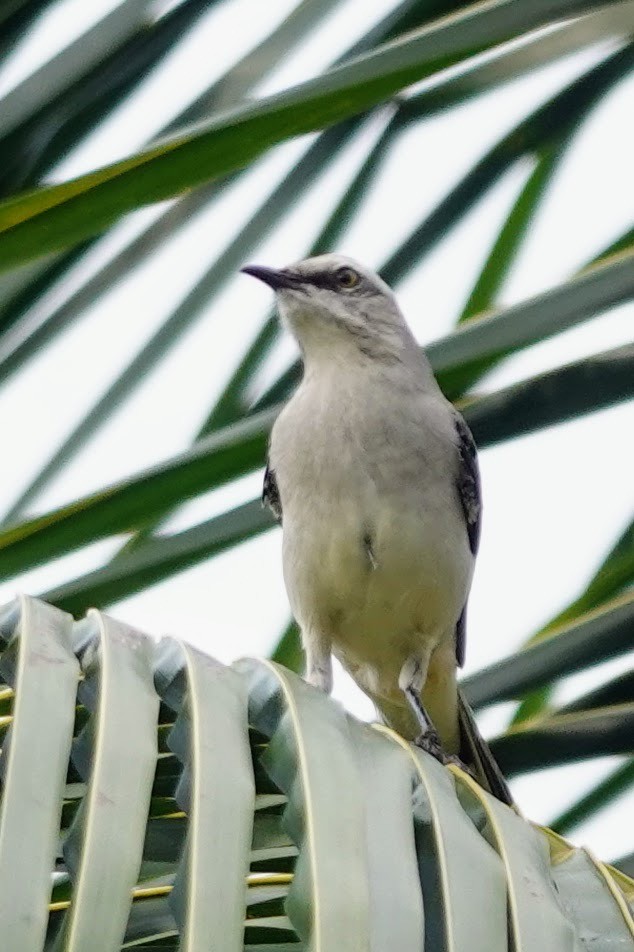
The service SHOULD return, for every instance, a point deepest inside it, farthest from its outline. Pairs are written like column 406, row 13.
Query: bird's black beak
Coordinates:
column 274, row 279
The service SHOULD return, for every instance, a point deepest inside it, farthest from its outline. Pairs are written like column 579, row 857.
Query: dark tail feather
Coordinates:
column 476, row 753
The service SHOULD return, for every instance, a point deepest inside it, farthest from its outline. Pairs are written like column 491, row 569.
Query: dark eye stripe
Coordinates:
column 330, row 280
column 326, row 279
column 323, row 279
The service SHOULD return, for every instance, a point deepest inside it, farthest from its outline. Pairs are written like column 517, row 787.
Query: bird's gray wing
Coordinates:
column 474, row 750
column 468, row 486
column 271, row 494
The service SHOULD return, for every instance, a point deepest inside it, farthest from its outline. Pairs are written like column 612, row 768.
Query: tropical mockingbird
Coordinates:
column 374, row 476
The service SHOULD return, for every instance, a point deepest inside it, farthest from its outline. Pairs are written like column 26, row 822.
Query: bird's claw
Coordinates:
column 455, row 760
column 430, row 743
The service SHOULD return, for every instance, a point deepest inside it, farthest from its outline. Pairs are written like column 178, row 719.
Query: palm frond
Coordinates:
column 254, row 809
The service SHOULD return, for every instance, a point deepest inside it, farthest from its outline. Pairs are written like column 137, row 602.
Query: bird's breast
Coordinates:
column 374, row 581
column 375, row 548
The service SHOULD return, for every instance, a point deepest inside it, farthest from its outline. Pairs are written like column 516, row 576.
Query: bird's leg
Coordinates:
column 318, row 663
column 411, row 681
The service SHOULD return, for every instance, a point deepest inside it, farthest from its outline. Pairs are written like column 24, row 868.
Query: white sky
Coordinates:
column 554, row 501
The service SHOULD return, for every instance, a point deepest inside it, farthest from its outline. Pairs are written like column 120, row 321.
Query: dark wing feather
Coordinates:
column 271, row 494
column 468, row 486
column 476, row 753
column 468, row 482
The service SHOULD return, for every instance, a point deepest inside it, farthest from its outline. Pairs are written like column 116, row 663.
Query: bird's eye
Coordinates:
column 347, row 278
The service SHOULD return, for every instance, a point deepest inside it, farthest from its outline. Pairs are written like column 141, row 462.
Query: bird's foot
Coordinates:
column 455, row 760
column 429, row 741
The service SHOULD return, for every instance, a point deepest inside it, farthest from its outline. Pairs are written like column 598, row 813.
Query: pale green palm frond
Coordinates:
column 252, row 809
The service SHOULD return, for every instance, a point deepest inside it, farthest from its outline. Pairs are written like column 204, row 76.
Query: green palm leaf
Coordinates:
column 72, row 211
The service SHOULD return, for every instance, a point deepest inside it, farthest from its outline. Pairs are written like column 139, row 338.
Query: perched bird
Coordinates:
column 374, row 477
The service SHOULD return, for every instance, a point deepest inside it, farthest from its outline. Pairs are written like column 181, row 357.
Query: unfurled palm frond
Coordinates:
column 180, row 802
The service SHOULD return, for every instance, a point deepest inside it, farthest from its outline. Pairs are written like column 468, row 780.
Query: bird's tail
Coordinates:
column 476, row 753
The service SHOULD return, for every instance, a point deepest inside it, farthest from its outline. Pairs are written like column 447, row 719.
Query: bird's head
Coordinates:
column 334, row 305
